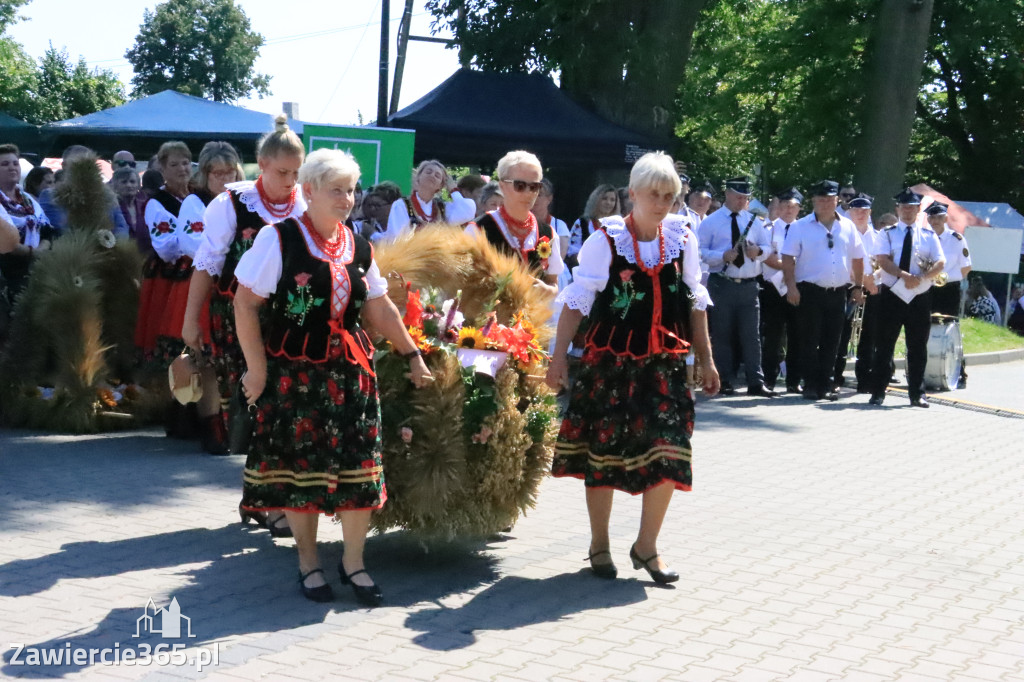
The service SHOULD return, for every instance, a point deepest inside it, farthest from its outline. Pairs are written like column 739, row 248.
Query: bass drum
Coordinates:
column 945, row 354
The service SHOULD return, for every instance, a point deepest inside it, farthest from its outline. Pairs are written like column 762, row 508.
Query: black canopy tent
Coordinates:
column 142, row 125
column 474, row 117
column 16, row 131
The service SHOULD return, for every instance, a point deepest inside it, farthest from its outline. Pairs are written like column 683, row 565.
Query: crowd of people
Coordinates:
column 271, row 283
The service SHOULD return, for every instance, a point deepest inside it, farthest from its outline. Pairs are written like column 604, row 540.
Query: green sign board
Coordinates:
column 382, row 153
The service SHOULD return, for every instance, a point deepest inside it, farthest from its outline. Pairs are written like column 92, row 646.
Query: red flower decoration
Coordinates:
column 249, row 234
column 197, row 227
column 626, row 275
column 304, row 378
column 284, row 385
column 413, row 310
column 163, row 227
column 302, row 279
column 337, row 395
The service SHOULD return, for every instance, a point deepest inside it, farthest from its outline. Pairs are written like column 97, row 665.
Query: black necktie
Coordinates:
column 736, row 242
column 908, row 246
column 786, row 233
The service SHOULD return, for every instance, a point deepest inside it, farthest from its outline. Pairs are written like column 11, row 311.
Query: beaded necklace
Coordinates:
column 267, row 204
column 332, row 248
column 650, row 272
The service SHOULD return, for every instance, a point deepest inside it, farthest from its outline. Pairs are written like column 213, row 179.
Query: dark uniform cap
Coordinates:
column 862, row 201
column 738, row 185
column 825, row 188
column 703, row 188
column 791, row 194
column 684, row 178
column 908, row 196
column 937, row 208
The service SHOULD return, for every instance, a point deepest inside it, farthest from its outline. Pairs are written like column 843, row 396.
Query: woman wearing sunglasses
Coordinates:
column 425, row 205
column 513, row 228
column 630, row 414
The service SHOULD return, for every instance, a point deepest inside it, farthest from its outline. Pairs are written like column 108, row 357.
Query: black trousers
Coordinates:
column 779, row 323
column 864, row 367
column 735, row 313
column 914, row 319
column 821, row 313
column 844, row 344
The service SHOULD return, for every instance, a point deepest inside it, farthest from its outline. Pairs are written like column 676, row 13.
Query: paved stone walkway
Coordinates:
column 821, row 542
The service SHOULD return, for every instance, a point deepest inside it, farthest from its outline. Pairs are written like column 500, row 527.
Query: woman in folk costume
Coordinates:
column 165, row 278
column 513, row 228
column 316, row 447
column 23, row 211
column 602, row 202
column 630, row 413
column 218, row 166
column 425, row 206
column 231, row 221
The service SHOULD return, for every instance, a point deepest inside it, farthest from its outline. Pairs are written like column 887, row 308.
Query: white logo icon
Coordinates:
column 165, row 622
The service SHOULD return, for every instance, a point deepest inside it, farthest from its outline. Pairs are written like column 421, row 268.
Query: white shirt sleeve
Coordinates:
column 219, row 224
column 882, row 246
column 398, row 222
column 260, row 267
column 191, row 225
column 376, row 286
column 459, row 210
column 555, row 263
column 692, row 273
column 163, row 228
column 590, row 276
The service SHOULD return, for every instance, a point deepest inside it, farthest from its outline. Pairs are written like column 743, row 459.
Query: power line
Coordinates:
column 350, row 60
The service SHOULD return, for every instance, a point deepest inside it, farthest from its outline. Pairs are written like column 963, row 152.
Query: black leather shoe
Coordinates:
column 279, row 527
column 919, row 401
column 832, row 396
column 727, row 389
column 876, row 399
column 662, row 577
column 369, row 595
column 793, row 389
column 323, row 593
column 606, row 571
column 811, row 395
column 761, row 390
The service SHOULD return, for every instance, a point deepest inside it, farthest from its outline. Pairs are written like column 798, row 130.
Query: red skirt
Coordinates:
column 162, row 303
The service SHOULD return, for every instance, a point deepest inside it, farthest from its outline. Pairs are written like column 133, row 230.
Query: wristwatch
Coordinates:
column 409, row 356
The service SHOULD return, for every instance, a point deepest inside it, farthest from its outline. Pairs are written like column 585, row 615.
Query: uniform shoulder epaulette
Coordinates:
column 958, row 236
column 892, row 227
column 927, row 229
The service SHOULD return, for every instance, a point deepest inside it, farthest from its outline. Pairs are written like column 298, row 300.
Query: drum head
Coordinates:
column 945, row 354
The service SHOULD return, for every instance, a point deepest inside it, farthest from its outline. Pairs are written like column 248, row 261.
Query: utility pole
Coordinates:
column 403, row 47
column 382, row 77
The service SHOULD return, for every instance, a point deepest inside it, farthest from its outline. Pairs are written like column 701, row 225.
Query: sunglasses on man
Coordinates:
column 524, row 186
column 848, row 195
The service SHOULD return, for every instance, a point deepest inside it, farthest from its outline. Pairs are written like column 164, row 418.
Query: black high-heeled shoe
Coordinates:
column 365, row 594
column 662, row 577
column 606, row 571
column 258, row 517
column 322, row 593
column 276, row 528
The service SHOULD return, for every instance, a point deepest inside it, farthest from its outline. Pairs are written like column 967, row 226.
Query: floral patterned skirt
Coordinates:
column 226, row 354
column 316, row 444
column 628, row 423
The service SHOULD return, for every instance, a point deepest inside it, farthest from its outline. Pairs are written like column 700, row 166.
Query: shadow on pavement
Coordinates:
column 516, row 602
column 239, row 582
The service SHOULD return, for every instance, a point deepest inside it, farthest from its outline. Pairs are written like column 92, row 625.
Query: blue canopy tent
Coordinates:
column 142, row 125
column 474, row 117
column 16, row 131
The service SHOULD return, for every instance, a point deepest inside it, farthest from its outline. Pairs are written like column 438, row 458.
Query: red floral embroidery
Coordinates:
column 302, row 279
column 304, row 378
column 626, row 275
column 163, row 227
column 284, row 385
column 248, row 234
column 196, row 227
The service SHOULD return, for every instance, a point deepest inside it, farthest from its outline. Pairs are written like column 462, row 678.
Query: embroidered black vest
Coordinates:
column 438, row 216
column 180, row 269
column 623, row 318
column 496, row 237
column 299, row 318
column 242, row 242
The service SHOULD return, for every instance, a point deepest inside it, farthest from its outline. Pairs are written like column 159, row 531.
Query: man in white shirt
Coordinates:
column 860, row 216
column 946, row 299
column 698, row 200
column 910, row 257
column 733, row 243
column 821, row 258
column 778, row 316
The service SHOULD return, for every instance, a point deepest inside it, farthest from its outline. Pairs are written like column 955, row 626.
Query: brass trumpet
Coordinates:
column 926, row 264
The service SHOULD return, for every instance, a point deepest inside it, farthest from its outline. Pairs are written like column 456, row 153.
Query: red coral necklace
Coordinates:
column 650, row 272
column 520, row 230
column 269, row 205
column 332, row 248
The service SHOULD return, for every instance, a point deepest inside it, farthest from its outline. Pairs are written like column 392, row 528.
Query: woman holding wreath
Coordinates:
column 630, row 413
column 513, row 228
column 316, row 446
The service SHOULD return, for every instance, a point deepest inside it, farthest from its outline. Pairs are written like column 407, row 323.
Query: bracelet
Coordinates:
column 409, row 356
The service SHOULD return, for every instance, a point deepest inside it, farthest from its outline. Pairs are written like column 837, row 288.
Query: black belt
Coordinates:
column 737, row 280
column 816, row 286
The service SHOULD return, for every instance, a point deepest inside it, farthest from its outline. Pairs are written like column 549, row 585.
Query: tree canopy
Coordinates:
column 205, row 48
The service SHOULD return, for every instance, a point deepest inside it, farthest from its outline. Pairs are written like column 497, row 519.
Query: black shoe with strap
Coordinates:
column 603, row 570
column 369, row 595
column 321, row 593
column 279, row 527
column 662, row 577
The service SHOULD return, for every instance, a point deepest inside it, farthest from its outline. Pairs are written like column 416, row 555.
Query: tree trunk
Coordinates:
column 891, row 87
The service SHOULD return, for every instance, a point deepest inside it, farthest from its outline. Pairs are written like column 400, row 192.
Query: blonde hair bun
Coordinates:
column 281, row 123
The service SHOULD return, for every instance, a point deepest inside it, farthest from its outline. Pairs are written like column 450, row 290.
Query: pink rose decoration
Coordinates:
column 406, row 434
column 626, row 275
column 248, row 234
column 163, row 227
column 302, row 279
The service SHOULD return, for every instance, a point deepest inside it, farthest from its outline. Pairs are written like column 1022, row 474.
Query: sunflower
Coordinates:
column 471, row 337
column 544, row 248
